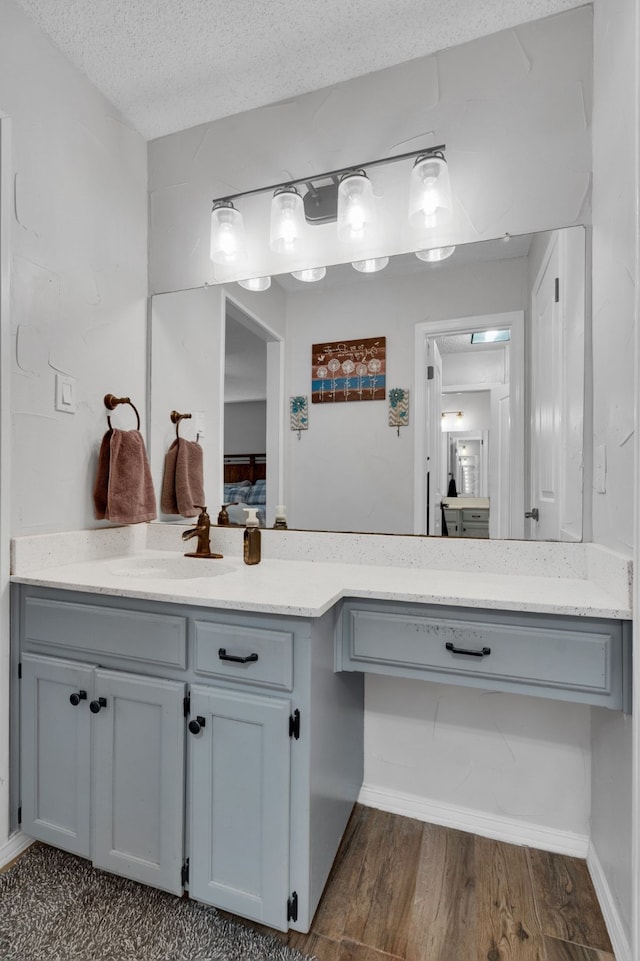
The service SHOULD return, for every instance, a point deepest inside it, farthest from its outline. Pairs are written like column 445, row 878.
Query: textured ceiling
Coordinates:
column 171, row 64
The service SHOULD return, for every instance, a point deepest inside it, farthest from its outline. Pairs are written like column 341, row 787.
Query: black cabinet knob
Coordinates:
column 77, row 696
column 95, row 706
column 197, row 724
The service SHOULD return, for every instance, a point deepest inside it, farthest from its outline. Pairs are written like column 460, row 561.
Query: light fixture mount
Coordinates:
column 321, row 203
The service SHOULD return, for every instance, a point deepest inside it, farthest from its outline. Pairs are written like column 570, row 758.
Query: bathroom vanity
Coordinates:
column 188, row 747
column 205, row 731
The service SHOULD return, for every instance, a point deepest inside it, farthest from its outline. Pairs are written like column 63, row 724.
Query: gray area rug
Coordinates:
column 57, row 907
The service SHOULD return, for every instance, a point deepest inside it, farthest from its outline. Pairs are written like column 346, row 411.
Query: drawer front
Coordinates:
column 96, row 630
column 486, row 652
column 475, row 516
column 475, row 530
column 263, row 658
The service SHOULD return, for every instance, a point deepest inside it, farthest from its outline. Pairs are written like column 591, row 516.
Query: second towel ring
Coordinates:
column 111, row 402
column 176, row 418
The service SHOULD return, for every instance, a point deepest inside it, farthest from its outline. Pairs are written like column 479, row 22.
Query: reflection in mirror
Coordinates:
column 521, row 399
column 245, row 417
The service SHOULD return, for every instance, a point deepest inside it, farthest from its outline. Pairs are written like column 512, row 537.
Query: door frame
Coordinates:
column 9, row 789
column 466, row 325
column 275, row 406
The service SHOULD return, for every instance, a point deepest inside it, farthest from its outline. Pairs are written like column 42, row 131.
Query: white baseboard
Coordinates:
column 610, row 911
column 14, row 846
column 497, row 827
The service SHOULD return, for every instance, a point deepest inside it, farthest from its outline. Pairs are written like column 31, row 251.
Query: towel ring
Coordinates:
column 111, row 402
column 176, row 418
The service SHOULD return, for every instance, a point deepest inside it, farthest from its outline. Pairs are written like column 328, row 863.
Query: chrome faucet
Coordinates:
column 201, row 531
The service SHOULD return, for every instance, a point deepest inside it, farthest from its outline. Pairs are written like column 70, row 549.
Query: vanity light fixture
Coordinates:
column 227, row 235
column 287, row 220
column 457, row 425
column 371, row 266
column 356, row 207
column 256, row 283
column 309, row 276
column 344, row 196
column 434, row 255
column 430, row 202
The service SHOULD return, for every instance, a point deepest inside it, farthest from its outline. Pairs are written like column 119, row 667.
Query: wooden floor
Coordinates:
column 402, row 889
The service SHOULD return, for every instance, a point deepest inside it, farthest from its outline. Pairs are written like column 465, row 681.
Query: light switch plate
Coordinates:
column 66, row 393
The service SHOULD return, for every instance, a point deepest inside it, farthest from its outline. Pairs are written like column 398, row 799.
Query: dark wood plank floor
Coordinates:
column 402, row 890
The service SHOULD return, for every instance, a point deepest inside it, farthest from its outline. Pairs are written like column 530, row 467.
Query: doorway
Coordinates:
column 253, row 404
column 440, row 410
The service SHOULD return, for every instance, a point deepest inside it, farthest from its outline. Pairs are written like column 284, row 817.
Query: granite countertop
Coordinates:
column 308, row 588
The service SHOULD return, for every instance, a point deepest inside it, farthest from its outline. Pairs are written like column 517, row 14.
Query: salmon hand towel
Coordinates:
column 123, row 490
column 183, row 482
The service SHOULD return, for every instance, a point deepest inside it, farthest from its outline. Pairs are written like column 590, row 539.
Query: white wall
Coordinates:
column 475, row 367
column 78, row 238
column 78, row 254
column 480, row 756
column 615, row 278
column 245, row 427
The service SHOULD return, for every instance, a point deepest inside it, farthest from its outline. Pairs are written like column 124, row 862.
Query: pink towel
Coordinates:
column 123, row 490
column 183, row 482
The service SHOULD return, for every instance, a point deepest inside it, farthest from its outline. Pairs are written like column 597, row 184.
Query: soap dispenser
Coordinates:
column 252, row 537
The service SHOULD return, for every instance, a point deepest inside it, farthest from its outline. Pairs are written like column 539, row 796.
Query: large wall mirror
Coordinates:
column 488, row 346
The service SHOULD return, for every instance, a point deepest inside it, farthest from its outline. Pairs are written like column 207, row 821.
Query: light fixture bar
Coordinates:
column 424, row 152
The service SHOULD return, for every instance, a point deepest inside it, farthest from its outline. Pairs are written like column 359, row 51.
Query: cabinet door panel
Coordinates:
column 55, row 752
column 239, row 789
column 138, row 778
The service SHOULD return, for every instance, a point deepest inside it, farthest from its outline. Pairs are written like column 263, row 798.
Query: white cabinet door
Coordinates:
column 138, row 778
column 55, row 753
column 239, row 776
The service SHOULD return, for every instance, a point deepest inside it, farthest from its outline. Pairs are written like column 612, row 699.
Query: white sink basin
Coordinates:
column 170, row 568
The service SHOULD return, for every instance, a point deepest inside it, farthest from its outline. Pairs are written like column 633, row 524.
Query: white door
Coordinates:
column 435, row 487
column 138, row 774
column 546, row 400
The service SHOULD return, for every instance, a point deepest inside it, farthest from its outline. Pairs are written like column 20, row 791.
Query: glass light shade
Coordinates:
column 227, row 235
column 356, row 207
column 287, row 220
column 311, row 275
column 256, row 283
column 371, row 266
column 435, row 255
column 430, row 203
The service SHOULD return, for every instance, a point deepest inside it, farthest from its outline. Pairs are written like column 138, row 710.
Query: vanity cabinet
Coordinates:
column 466, row 521
column 187, row 747
column 582, row 659
column 103, row 765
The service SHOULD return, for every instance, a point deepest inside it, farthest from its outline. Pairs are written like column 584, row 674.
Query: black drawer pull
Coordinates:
column 461, row 650
column 222, row 654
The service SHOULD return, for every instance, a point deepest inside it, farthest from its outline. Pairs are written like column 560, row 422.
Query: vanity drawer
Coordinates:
column 569, row 658
column 109, row 631
column 471, row 516
column 249, row 655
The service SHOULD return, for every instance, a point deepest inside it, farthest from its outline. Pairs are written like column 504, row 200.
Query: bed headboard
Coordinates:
column 242, row 467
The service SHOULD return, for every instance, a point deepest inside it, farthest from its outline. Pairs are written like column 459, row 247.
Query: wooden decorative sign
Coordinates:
column 349, row 370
